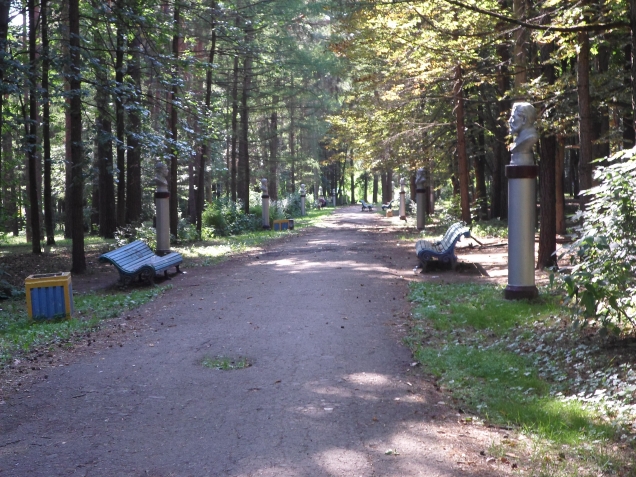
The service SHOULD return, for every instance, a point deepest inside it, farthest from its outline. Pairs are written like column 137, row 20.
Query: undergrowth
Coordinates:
column 520, row 364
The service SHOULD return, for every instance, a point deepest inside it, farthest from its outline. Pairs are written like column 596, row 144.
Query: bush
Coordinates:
column 602, row 285
column 129, row 233
column 227, row 218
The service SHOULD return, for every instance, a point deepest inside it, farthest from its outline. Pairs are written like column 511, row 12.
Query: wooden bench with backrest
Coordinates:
column 442, row 250
column 366, row 206
column 137, row 260
column 388, row 205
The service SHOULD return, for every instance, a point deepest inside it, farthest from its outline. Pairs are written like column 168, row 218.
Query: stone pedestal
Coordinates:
column 402, row 200
column 162, row 206
column 302, row 199
column 521, row 220
column 265, row 204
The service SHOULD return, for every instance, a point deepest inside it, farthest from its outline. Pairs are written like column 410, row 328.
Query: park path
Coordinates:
column 330, row 391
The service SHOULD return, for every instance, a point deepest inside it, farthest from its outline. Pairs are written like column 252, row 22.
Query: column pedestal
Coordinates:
column 521, row 222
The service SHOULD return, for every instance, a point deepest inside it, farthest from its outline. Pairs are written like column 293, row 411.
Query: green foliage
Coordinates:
column 129, row 233
column 18, row 334
column 490, row 228
column 602, row 286
column 513, row 363
column 226, row 217
column 224, row 363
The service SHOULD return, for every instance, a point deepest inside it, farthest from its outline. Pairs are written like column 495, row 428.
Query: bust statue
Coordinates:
column 521, row 124
column 420, row 178
column 161, row 176
column 264, row 185
column 302, row 189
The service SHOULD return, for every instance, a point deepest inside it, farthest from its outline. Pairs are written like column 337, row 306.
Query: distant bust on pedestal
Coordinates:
column 264, row 186
column 161, row 176
column 521, row 123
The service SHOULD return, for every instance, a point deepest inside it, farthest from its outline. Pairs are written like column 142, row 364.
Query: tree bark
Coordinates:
column 243, row 185
column 547, row 176
column 375, row 188
column 632, row 23
column 200, row 193
column 233, row 170
column 585, row 115
column 174, row 164
column 5, row 6
column 462, row 156
column 120, row 125
column 133, row 154
column 49, row 224
column 77, row 152
column 559, row 176
column 32, row 137
column 273, row 152
column 104, row 156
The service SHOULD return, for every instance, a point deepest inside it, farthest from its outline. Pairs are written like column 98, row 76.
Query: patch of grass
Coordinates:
column 225, row 364
column 20, row 335
column 490, row 228
column 516, row 363
column 480, row 307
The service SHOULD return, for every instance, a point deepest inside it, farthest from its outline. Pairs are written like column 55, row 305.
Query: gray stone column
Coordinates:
column 302, row 199
column 162, row 206
column 522, row 174
column 402, row 200
column 265, row 204
column 420, row 198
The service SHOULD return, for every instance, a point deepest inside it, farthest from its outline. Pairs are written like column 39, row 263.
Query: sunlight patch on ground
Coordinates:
column 369, row 379
column 343, row 462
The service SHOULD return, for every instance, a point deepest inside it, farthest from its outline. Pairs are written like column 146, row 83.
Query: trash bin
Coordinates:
column 282, row 224
column 49, row 296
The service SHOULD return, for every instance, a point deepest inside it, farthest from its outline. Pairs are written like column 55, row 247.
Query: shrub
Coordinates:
column 227, row 218
column 142, row 231
column 602, row 285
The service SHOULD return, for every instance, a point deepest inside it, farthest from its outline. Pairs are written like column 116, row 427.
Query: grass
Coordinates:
column 223, row 363
column 19, row 335
column 517, row 363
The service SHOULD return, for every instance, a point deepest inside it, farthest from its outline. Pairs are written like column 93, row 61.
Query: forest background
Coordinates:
column 347, row 96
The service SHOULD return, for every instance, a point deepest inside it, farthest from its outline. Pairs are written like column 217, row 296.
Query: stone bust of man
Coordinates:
column 521, row 124
column 161, row 176
column 264, row 186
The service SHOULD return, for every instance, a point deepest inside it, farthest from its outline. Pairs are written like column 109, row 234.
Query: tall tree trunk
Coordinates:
column 632, row 23
column 68, row 156
column 365, row 194
column 77, row 153
column 547, row 177
column 559, row 176
column 49, row 224
column 273, row 152
column 244, row 159
column 32, row 138
column 520, row 50
column 104, row 154
column 5, row 6
column 174, row 169
column 499, row 201
column 292, row 138
column 462, row 156
column 200, row 194
column 353, row 182
column 629, row 134
column 480, row 171
column 133, row 154
column 375, row 187
column 585, row 115
column 120, row 125
column 233, row 169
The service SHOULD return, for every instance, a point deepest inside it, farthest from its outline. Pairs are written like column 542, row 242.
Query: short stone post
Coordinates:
column 265, row 204
column 420, row 198
column 162, row 206
column 521, row 174
column 333, row 194
column 302, row 199
column 402, row 200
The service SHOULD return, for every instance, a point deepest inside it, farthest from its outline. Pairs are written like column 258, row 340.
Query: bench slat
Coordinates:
column 136, row 258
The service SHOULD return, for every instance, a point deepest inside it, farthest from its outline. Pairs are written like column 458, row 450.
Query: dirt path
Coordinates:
column 330, row 392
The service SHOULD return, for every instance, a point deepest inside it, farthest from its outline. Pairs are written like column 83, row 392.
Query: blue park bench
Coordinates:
column 388, row 205
column 137, row 260
column 366, row 206
column 442, row 250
